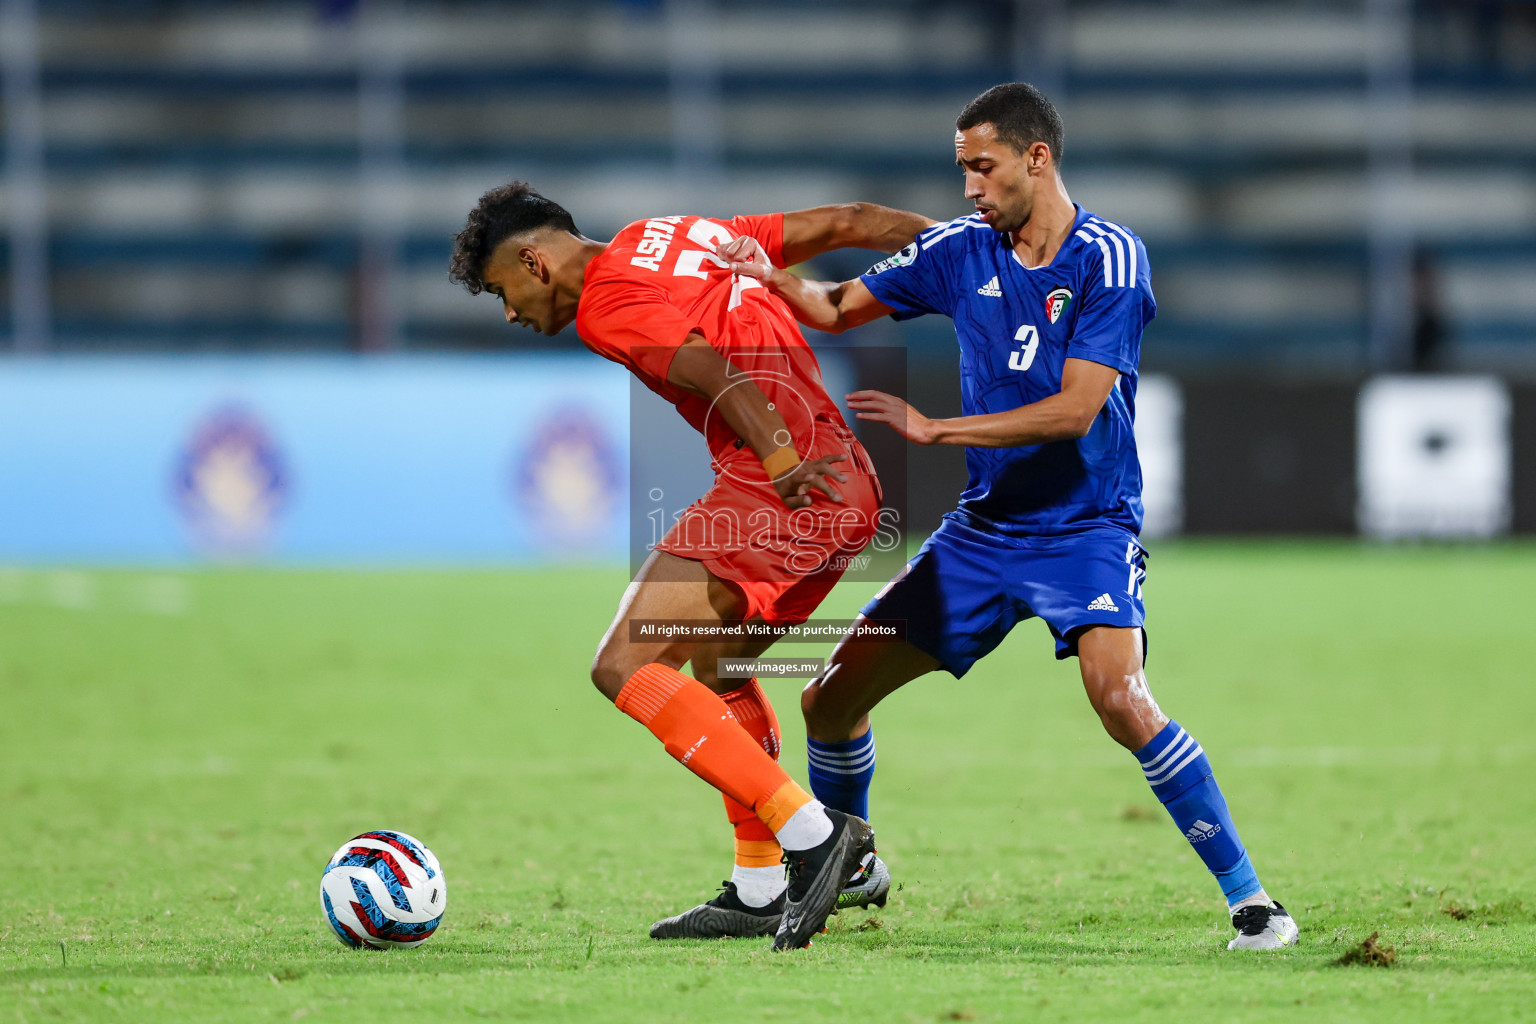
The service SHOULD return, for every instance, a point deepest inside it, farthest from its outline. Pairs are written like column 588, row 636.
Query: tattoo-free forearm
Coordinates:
column 1056, row 418
column 698, row 368
column 1068, row 414
column 884, row 228
column 809, row 233
column 815, row 303
column 748, row 411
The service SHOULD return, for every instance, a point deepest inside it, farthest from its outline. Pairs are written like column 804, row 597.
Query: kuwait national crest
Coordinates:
column 1056, row 303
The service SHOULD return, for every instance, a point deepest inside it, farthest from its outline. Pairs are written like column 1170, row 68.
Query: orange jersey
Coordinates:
column 659, row 281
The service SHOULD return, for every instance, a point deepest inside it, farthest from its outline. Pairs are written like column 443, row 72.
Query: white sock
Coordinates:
column 807, row 827
column 1258, row 899
column 758, row 887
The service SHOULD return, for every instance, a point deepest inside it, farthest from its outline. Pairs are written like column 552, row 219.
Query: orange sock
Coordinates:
column 749, row 706
column 697, row 729
column 756, row 846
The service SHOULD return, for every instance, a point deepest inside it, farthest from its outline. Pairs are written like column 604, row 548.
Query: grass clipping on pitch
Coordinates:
column 1369, row 953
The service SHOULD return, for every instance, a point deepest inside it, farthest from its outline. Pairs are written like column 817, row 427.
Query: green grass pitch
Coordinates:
column 180, row 753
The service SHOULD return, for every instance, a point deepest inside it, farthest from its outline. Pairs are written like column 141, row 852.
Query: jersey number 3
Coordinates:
column 1029, row 337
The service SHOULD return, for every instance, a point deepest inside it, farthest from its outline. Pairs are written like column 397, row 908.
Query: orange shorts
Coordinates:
column 785, row 561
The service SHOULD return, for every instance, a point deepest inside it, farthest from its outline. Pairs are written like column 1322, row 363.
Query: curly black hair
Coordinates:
column 502, row 212
column 1020, row 113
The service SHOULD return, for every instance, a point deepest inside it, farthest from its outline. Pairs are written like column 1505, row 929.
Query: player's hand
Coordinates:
column 892, row 411
column 795, row 486
column 745, row 255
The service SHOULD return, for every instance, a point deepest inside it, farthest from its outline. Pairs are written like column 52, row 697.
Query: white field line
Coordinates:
column 78, row 591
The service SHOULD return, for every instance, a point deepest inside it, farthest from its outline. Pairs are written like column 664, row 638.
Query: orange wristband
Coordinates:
column 781, row 461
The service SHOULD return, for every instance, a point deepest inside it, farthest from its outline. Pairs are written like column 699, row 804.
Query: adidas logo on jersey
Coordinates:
column 991, row 288
column 1200, row 831
column 1102, row 603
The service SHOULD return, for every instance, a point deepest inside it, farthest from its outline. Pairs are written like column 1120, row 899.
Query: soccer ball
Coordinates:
column 383, row 889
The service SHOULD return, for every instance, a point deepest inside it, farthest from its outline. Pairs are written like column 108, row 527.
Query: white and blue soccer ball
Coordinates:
column 383, row 889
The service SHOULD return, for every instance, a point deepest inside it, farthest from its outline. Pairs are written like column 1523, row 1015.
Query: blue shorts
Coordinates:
column 966, row 588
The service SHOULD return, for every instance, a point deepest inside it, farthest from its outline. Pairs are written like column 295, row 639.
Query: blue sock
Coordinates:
column 841, row 773
column 1180, row 776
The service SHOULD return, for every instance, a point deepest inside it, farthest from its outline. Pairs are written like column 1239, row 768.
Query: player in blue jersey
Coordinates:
column 1049, row 303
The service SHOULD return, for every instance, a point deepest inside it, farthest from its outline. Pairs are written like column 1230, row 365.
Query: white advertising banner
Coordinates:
column 1160, row 445
column 1434, row 457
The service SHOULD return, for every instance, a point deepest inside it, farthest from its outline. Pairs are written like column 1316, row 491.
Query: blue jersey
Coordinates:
column 1017, row 327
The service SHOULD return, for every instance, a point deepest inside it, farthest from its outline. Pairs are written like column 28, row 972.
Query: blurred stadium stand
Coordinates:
column 254, row 176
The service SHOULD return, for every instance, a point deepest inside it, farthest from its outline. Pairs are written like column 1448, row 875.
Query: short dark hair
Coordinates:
column 504, row 211
column 1020, row 113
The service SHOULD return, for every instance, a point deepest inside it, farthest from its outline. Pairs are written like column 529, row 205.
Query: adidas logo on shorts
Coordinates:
column 1102, row 603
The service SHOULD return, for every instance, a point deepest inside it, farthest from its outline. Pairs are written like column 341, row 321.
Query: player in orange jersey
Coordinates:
column 794, row 496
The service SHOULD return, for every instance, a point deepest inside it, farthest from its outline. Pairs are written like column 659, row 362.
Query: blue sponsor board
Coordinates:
column 393, row 460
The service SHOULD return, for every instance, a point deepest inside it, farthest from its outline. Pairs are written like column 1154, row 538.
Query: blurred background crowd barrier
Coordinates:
column 227, row 223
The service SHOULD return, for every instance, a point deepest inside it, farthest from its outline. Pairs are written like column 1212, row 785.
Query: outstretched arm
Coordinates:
column 825, row 305
column 1085, row 385
column 809, row 233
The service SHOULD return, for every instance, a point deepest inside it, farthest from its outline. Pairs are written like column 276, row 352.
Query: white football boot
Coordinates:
column 1264, row 928
column 869, row 885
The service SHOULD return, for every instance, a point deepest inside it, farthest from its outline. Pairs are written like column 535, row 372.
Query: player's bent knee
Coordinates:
column 617, row 661
column 1123, row 703
column 810, row 698
column 810, row 695
column 824, row 720
column 610, row 672
column 1098, row 685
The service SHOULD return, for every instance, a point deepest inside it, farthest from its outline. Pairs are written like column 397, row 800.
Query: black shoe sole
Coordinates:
column 820, row 900
column 705, row 922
